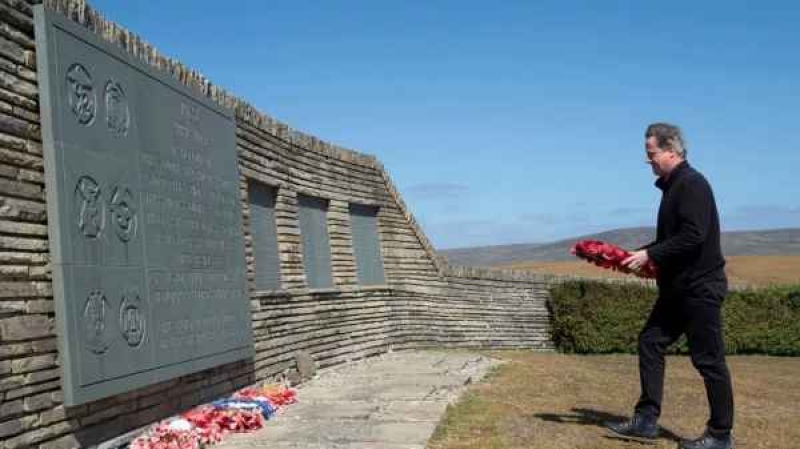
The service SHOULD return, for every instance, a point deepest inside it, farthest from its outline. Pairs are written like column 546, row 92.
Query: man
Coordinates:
column 691, row 287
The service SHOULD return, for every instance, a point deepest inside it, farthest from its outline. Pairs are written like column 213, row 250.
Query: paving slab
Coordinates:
column 393, row 401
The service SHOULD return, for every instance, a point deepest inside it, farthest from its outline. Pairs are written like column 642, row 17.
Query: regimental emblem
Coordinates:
column 123, row 213
column 94, row 322
column 81, row 95
column 131, row 320
column 118, row 116
column 91, row 218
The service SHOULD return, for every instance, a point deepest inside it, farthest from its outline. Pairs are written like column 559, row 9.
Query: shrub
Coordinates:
column 763, row 321
column 594, row 317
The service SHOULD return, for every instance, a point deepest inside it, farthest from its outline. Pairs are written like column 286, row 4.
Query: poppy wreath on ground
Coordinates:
column 168, row 436
column 245, row 411
column 610, row 256
column 275, row 395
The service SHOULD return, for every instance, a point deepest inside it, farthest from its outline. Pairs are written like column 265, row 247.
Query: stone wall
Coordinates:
column 424, row 302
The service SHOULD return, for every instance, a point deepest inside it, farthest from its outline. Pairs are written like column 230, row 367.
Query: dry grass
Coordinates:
column 557, row 401
column 757, row 270
column 764, row 269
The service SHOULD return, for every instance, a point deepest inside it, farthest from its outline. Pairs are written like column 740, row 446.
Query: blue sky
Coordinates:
column 516, row 121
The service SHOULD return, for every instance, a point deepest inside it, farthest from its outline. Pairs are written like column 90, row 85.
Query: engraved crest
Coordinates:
column 94, row 322
column 80, row 94
column 123, row 213
column 91, row 218
column 118, row 116
column 131, row 320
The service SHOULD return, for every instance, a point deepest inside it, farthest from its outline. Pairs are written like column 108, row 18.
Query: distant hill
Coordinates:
column 734, row 243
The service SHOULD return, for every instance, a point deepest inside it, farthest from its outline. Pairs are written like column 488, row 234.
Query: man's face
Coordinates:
column 661, row 161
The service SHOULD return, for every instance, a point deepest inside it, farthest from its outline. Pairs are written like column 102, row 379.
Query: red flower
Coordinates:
column 213, row 423
column 207, row 422
column 276, row 395
column 163, row 437
column 610, row 256
column 282, row 398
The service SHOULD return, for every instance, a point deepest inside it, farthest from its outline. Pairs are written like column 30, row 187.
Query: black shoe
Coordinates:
column 639, row 428
column 708, row 441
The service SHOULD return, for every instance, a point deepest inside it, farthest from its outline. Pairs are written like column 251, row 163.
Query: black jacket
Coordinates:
column 687, row 250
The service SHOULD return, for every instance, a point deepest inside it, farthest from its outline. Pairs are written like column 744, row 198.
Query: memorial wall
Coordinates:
column 163, row 243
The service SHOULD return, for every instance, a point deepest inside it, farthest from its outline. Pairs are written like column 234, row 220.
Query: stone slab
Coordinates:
column 144, row 218
column 375, row 403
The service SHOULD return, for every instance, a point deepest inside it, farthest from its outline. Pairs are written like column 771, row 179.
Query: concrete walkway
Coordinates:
column 393, row 401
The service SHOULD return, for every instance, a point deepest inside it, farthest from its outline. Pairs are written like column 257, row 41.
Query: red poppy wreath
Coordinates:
column 610, row 256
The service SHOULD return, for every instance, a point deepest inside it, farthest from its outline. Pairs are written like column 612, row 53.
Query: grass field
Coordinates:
column 558, row 401
column 755, row 270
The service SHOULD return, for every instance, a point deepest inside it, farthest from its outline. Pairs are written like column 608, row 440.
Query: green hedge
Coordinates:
column 594, row 317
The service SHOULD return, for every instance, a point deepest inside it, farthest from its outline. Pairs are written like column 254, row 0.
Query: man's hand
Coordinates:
column 636, row 260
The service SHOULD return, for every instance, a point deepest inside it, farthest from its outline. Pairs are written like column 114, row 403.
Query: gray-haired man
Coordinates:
column 691, row 288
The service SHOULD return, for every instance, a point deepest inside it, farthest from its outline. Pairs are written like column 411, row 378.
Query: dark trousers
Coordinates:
column 698, row 315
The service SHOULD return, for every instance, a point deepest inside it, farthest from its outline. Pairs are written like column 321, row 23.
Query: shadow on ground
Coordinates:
column 589, row 417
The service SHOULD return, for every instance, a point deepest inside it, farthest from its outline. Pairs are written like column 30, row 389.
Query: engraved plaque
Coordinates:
column 144, row 218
